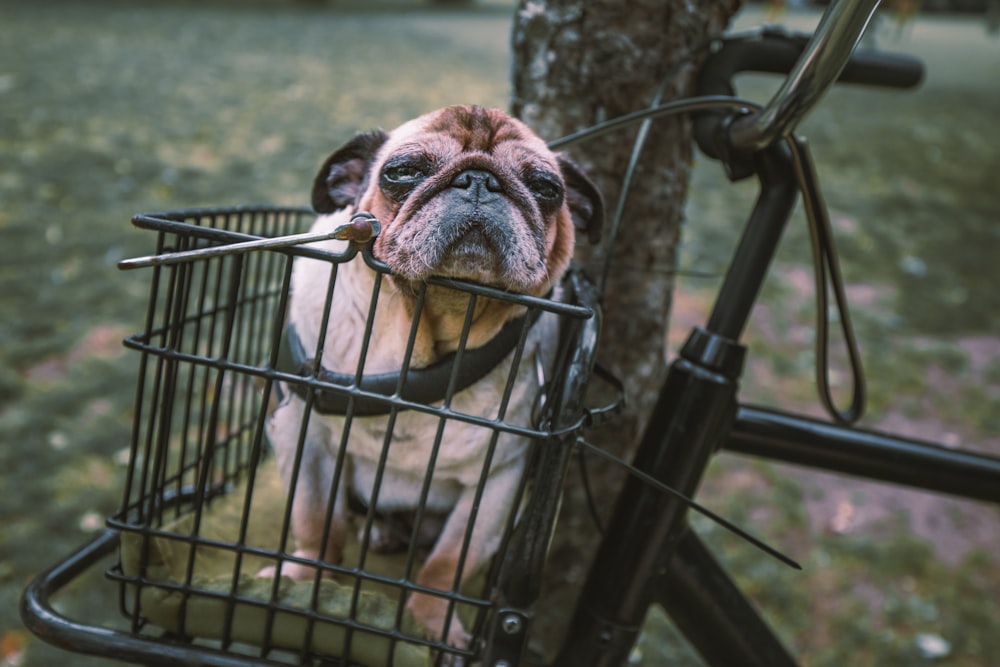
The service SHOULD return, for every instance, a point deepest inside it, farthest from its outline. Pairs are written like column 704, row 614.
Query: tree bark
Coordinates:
column 577, row 63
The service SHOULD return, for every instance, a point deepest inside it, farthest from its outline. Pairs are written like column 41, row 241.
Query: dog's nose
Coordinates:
column 476, row 179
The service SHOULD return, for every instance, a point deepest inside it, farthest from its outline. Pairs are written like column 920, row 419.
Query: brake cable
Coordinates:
column 827, row 275
column 827, row 268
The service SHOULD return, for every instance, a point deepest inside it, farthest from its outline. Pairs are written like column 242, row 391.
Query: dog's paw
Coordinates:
column 459, row 639
column 431, row 612
column 451, row 660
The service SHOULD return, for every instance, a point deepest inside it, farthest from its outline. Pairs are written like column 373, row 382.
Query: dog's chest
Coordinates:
column 410, row 444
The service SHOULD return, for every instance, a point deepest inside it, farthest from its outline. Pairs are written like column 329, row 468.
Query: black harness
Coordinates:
column 426, row 385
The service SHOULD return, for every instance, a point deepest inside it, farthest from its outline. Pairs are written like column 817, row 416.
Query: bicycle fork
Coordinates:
column 649, row 554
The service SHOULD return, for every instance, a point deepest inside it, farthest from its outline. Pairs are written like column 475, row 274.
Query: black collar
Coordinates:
column 426, row 385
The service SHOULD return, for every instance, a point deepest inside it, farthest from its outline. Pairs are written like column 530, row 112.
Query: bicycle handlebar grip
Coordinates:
column 777, row 52
column 870, row 67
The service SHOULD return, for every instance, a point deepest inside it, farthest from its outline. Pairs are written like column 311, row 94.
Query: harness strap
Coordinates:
column 426, row 385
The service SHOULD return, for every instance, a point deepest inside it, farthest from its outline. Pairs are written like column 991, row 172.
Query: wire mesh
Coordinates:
column 207, row 516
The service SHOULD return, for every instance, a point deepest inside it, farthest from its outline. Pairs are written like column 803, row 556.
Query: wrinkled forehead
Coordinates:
column 452, row 131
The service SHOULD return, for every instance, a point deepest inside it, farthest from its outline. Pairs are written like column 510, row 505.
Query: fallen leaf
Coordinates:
column 12, row 646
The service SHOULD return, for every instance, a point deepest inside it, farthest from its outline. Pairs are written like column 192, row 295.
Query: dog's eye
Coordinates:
column 403, row 173
column 401, row 176
column 546, row 190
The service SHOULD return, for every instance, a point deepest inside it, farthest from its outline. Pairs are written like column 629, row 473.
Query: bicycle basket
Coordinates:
column 207, row 519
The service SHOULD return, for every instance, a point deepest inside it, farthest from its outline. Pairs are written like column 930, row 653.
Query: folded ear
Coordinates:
column 339, row 181
column 586, row 205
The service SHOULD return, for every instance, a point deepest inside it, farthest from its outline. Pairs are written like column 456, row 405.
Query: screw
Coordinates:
column 511, row 624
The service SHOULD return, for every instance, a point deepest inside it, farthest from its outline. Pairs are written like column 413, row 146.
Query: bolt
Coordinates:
column 511, row 624
column 362, row 228
column 501, row 663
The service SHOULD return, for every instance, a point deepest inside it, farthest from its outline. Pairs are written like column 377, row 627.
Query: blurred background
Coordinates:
column 112, row 108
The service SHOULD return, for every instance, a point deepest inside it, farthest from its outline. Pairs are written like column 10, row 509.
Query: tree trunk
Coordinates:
column 576, row 63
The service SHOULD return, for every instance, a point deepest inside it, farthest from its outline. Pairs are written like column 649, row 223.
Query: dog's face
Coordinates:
column 465, row 192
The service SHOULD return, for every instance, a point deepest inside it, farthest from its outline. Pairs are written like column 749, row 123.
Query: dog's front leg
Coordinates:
column 441, row 569
column 314, row 476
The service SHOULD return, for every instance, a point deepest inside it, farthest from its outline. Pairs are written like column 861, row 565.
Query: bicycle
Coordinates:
column 197, row 443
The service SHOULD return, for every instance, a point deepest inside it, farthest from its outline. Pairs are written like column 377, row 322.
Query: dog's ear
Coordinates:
column 339, row 181
column 586, row 205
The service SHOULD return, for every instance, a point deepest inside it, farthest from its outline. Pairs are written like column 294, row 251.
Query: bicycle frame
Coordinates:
column 649, row 554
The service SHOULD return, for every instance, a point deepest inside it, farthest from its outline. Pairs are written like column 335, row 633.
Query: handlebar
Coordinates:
column 821, row 63
column 754, row 140
column 813, row 64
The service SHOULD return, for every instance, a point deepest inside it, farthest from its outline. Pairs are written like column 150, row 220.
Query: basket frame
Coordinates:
column 505, row 629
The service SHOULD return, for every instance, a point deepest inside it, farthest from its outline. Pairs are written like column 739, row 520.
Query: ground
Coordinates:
column 110, row 108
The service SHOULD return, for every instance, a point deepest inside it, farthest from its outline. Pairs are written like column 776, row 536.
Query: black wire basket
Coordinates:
column 206, row 512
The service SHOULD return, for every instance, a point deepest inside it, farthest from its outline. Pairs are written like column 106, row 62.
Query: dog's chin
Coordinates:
column 478, row 261
column 474, row 268
column 474, row 257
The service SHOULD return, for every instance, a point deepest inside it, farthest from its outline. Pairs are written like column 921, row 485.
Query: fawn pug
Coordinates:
column 462, row 192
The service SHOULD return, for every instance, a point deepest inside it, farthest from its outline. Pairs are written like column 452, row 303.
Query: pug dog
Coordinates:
column 463, row 192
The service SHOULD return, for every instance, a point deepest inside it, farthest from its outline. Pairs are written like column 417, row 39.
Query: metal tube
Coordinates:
column 779, row 436
column 749, row 265
column 692, row 413
column 817, row 69
column 713, row 614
